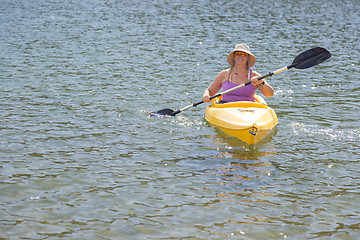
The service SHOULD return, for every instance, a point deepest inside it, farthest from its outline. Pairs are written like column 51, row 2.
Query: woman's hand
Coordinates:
column 206, row 98
column 256, row 82
column 263, row 86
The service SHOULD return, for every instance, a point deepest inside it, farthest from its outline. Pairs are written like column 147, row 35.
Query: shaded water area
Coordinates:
column 81, row 159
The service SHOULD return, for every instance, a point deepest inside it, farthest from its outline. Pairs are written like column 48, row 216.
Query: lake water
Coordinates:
column 81, row 159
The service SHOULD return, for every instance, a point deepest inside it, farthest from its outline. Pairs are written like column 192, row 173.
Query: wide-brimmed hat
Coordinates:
column 241, row 48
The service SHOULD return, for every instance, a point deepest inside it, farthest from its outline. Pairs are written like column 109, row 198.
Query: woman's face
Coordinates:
column 241, row 57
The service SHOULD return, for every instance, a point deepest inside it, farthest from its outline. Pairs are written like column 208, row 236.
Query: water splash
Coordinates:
column 350, row 135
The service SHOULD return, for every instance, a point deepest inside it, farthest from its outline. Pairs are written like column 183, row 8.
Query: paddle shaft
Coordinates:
column 234, row 88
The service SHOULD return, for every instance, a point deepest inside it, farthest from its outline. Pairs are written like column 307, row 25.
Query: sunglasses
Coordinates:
column 241, row 53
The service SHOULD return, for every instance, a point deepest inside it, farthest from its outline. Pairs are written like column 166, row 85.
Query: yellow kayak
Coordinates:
column 248, row 121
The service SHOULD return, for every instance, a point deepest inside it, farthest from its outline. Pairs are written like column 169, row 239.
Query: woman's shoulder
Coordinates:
column 221, row 76
column 225, row 72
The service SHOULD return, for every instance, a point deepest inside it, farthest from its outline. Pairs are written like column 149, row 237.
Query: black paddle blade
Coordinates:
column 163, row 112
column 311, row 58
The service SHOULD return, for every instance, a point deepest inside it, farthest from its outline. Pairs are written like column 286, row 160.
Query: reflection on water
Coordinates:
column 242, row 183
column 247, row 167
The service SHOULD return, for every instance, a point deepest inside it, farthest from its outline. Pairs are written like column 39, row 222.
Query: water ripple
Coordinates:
column 81, row 159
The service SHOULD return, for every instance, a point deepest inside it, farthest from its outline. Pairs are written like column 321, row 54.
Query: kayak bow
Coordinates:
column 249, row 121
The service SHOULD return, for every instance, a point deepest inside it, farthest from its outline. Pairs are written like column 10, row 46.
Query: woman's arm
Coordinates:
column 265, row 88
column 215, row 86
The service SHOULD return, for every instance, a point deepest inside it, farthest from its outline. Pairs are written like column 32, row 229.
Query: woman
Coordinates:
column 240, row 60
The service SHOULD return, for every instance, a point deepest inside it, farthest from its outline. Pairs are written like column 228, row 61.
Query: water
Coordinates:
column 81, row 159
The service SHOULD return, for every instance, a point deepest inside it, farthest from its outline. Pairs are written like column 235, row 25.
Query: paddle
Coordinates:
column 304, row 60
